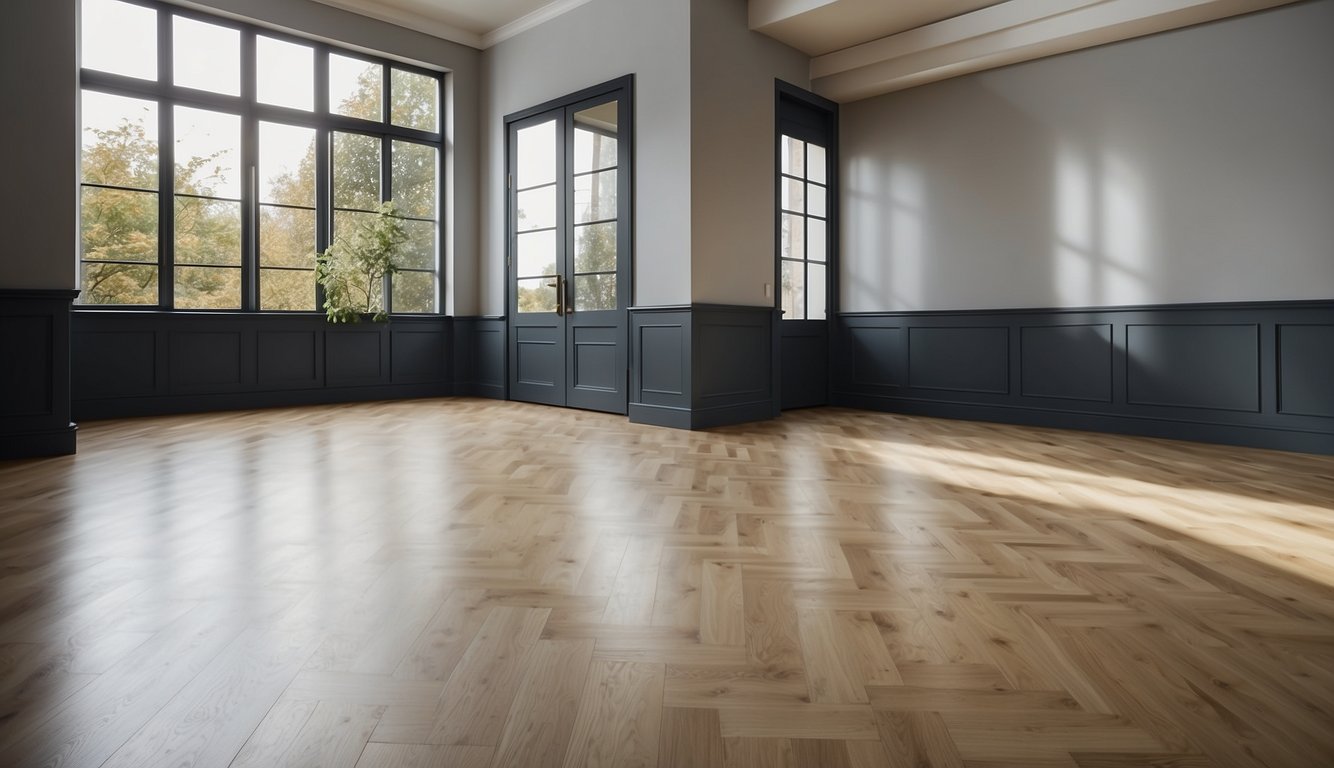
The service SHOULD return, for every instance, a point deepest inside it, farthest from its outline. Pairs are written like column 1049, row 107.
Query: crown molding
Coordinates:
column 528, row 21
column 410, row 20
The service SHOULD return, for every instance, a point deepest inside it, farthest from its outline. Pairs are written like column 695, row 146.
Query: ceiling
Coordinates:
column 861, row 48
column 478, row 23
column 818, row 27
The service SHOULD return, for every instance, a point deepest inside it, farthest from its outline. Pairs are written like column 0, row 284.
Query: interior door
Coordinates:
column 569, row 285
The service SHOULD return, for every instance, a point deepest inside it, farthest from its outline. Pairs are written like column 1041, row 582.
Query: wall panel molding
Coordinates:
column 129, row 363
column 703, row 365
column 480, row 357
column 1256, row 374
column 35, row 417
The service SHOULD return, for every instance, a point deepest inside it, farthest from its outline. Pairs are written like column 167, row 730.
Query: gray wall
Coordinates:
column 39, row 144
column 42, row 154
column 732, row 151
column 596, row 42
column 1191, row 166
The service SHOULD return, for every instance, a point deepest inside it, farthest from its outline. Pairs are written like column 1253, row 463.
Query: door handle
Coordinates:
column 559, row 285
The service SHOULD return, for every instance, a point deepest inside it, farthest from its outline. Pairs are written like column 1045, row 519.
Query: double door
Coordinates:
column 569, row 252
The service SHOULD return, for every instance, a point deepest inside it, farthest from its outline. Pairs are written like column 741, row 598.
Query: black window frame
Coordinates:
column 167, row 96
column 812, row 119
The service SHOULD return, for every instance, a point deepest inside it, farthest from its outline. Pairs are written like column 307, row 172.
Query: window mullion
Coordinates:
column 250, row 277
column 166, row 158
column 323, row 161
column 387, row 194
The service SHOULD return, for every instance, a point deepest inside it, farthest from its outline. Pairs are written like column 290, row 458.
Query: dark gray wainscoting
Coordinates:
column 144, row 363
column 1256, row 374
column 35, row 417
column 479, row 356
column 804, row 363
column 702, row 365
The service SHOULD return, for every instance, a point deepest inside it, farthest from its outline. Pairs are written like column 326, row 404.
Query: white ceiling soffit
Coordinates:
column 1006, row 33
column 475, row 23
column 817, row 27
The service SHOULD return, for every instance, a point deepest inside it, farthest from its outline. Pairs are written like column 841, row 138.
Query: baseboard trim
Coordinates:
column 127, row 407
column 729, row 415
column 477, row 389
column 660, row 416
column 41, row 444
column 1271, row 438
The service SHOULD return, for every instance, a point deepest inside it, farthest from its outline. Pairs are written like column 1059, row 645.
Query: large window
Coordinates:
column 219, row 158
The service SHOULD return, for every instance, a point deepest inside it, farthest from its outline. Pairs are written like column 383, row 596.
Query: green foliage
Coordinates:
column 352, row 271
column 122, row 226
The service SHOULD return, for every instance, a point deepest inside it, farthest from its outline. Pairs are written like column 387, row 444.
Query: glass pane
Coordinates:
column 206, row 56
column 595, row 197
column 794, row 291
column 286, row 164
column 595, row 247
column 815, row 293
column 356, row 171
column 536, row 209
column 119, row 38
column 118, row 226
column 536, row 161
column 414, row 187
column 119, row 141
column 593, row 151
column 793, row 241
column 416, row 102
column 818, row 241
column 419, row 251
column 286, row 237
column 208, row 153
column 356, row 88
column 794, row 156
column 208, row 287
column 815, row 165
column 537, row 253
column 593, row 292
column 815, row 200
column 208, row 232
column 118, row 284
column 793, row 198
column 345, row 223
column 414, row 292
column 537, row 295
column 287, row 289
column 595, row 138
column 286, row 73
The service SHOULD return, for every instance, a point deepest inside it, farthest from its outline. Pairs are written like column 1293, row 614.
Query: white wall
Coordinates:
column 39, row 144
column 732, row 151
column 594, row 43
column 1191, row 166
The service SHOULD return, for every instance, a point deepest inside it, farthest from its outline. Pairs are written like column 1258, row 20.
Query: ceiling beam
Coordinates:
column 1014, row 31
column 766, row 13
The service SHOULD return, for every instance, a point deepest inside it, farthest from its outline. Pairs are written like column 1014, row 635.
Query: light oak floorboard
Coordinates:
column 484, row 584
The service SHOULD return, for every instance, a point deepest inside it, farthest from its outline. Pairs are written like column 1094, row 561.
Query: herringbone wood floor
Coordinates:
column 473, row 583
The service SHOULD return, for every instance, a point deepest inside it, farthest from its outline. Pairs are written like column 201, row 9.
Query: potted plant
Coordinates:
column 353, row 269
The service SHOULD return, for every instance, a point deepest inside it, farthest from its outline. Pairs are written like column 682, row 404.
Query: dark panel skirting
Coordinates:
column 1254, row 374
column 35, row 417
column 702, row 365
column 146, row 363
column 479, row 357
